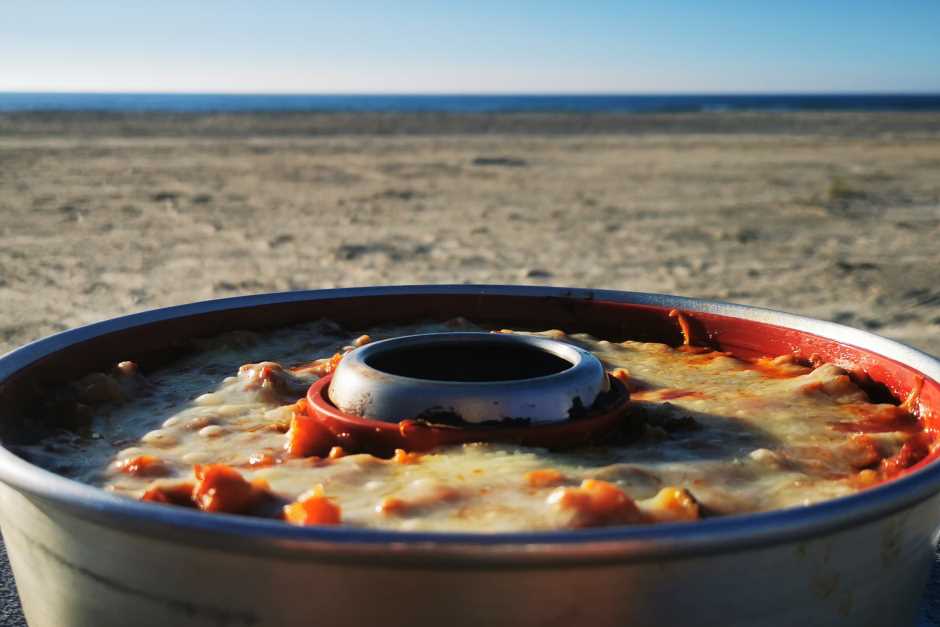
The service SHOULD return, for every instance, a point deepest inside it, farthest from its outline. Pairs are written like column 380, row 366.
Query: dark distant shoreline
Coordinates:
column 73, row 124
column 464, row 103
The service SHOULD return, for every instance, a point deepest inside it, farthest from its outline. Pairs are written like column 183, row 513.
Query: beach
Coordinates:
column 831, row 215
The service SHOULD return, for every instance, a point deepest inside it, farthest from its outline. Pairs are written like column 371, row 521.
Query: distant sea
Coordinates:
column 230, row 103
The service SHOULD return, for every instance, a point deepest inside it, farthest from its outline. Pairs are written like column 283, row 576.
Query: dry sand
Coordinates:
column 835, row 216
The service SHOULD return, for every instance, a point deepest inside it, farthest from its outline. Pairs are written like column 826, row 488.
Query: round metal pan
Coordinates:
column 82, row 556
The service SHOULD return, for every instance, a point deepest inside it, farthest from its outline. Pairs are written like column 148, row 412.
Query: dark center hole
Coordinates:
column 469, row 362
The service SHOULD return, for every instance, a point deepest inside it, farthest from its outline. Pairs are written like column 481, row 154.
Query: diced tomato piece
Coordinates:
column 392, row 506
column 544, row 478
column 866, row 478
column 623, row 375
column 314, row 509
column 404, row 457
column 180, row 494
column 596, row 503
column 307, row 437
column 672, row 504
column 220, row 488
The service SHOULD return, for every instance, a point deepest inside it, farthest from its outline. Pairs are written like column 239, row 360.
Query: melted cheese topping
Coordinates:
column 722, row 436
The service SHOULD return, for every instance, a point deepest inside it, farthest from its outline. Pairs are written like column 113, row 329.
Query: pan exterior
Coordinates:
column 72, row 572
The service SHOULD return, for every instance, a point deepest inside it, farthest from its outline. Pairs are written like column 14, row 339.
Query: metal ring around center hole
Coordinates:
column 360, row 389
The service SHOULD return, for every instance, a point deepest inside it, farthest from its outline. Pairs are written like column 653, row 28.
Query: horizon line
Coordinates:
column 655, row 93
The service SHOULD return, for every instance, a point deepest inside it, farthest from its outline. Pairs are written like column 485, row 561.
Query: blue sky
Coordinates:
column 471, row 47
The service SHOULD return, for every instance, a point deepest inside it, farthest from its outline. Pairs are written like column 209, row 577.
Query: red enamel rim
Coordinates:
column 357, row 434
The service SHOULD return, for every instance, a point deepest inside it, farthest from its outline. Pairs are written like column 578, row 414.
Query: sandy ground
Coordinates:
column 833, row 216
